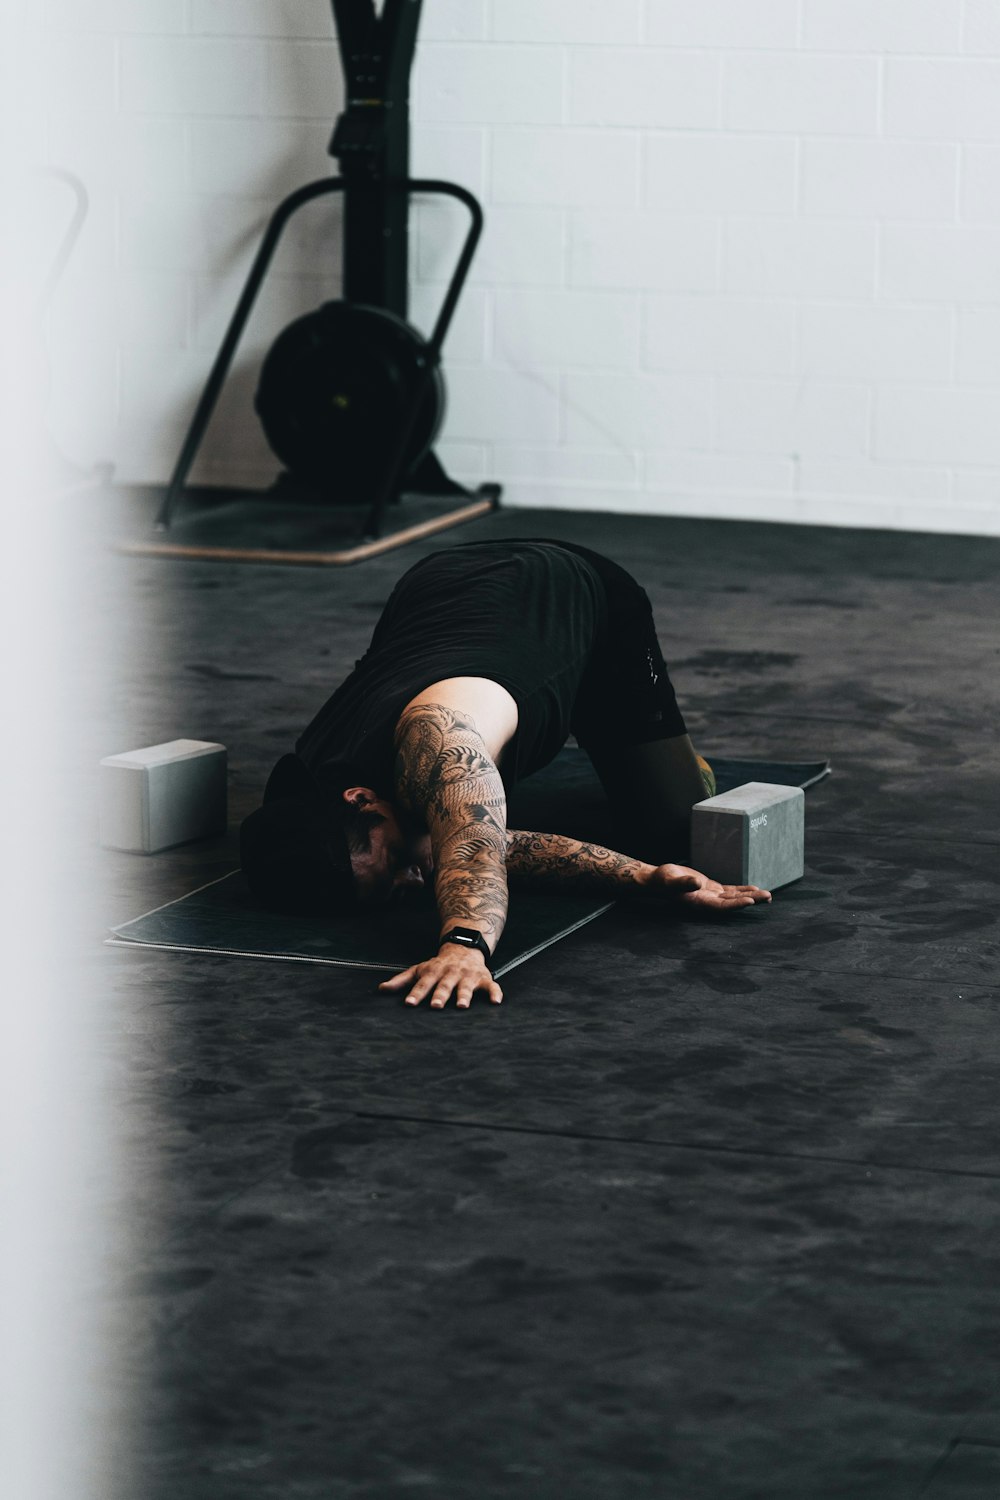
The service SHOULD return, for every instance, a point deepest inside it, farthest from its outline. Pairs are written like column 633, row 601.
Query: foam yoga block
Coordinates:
column 752, row 835
column 163, row 795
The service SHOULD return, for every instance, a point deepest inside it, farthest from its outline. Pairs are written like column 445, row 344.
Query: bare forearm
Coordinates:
column 572, row 864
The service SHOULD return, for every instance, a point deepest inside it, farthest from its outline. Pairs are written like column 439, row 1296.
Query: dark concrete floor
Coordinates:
column 704, row 1209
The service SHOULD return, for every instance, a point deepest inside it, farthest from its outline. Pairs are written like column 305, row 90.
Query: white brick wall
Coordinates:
column 741, row 259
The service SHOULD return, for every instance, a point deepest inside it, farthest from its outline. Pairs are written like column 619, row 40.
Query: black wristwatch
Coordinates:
column 468, row 937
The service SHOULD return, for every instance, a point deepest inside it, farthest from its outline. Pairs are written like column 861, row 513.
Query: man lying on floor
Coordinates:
column 486, row 657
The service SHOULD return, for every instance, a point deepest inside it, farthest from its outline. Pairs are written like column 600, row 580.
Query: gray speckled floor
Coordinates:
column 705, row 1209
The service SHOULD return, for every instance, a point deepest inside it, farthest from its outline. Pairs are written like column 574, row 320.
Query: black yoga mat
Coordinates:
column 564, row 798
column 222, row 918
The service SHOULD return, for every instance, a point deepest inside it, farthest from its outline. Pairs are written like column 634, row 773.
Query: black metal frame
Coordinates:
column 393, row 474
column 371, row 143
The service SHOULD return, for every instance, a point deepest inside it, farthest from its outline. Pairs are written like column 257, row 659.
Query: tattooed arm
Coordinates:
column 446, row 776
column 570, row 864
column 551, row 859
column 448, row 741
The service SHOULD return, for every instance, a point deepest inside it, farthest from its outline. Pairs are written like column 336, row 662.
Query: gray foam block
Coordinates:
column 162, row 795
column 753, row 835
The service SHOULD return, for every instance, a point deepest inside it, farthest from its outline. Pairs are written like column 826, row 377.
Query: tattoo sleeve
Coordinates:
column 552, row 859
column 445, row 775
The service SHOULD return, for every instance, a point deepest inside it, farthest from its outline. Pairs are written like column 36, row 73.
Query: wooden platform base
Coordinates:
column 251, row 529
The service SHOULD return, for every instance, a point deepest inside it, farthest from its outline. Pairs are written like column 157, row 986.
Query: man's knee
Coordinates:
column 652, row 788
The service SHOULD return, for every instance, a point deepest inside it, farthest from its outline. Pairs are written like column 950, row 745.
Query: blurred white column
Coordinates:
column 51, row 1279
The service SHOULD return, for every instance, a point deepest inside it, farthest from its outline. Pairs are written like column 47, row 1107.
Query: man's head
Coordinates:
column 313, row 849
column 390, row 856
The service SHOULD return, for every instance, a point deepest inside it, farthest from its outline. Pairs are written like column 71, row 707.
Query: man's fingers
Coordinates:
column 398, row 980
column 698, row 890
column 465, row 994
column 442, row 993
column 741, row 898
column 441, row 983
column 420, row 991
column 466, row 991
column 728, row 897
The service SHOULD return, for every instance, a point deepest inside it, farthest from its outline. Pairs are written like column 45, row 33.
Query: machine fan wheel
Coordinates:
column 335, row 390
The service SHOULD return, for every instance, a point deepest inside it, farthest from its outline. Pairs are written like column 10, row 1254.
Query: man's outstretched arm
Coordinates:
column 446, row 776
column 573, row 864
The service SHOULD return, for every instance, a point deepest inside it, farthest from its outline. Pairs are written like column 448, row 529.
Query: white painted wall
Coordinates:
column 742, row 257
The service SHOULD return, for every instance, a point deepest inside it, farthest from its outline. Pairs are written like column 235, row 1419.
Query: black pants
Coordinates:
column 626, row 696
column 628, row 720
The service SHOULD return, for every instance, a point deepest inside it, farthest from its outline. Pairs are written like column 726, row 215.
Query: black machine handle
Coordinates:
column 234, row 333
column 461, row 271
column 395, row 469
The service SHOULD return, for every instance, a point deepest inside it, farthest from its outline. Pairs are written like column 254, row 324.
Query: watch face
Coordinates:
column 468, row 937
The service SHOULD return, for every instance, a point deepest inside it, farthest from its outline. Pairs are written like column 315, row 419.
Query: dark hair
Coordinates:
column 295, row 849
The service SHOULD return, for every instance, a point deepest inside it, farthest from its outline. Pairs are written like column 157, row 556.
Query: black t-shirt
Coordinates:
column 525, row 614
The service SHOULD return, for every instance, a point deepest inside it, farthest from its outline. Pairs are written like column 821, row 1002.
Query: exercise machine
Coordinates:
column 351, row 396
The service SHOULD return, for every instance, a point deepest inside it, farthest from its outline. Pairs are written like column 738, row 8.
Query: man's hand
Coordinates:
column 694, row 889
column 454, row 971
